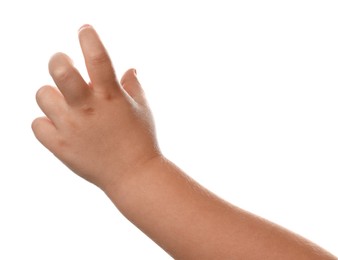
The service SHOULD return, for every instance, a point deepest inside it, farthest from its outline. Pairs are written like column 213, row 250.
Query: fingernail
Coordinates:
column 135, row 72
column 84, row 27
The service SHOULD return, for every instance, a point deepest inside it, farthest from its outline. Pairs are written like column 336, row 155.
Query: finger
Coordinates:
column 98, row 63
column 45, row 132
column 51, row 102
column 132, row 86
column 68, row 79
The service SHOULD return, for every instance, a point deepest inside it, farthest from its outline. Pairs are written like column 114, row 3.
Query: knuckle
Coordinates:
column 98, row 58
column 61, row 73
column 61, row 143
column 60, row 66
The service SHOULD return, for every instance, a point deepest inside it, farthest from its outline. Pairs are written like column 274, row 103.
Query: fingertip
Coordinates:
column 44, row 130
column 128, row 75
column 39, row 93
column 57, row 59
column 132, row 86
column 34, row 124
column 59, row 55
column 38, row 124
column 85, row 26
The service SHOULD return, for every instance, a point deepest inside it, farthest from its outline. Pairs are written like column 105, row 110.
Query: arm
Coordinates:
column 189, row 222
column 104, row 132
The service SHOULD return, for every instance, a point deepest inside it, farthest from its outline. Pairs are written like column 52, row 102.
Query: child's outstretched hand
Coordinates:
column 105, row 133
column 103, row 130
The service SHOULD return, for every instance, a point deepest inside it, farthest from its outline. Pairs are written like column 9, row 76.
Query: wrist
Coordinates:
column 134, row 174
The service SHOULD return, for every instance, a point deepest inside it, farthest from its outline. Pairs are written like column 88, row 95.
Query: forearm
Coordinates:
column 189, row 222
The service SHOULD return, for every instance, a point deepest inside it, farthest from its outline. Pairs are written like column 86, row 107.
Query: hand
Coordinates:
column 103, row 130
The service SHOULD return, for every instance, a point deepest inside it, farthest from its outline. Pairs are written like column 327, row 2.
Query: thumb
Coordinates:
column 132, row 86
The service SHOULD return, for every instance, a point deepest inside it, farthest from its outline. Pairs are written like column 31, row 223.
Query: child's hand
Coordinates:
column 102, row 130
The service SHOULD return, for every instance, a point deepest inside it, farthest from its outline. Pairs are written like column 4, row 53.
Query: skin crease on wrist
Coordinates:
column 104, row 132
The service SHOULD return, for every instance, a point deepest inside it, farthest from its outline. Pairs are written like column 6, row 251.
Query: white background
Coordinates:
column 244, row 95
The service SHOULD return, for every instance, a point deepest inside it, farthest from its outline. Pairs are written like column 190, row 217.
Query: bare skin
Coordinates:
column 104, row 132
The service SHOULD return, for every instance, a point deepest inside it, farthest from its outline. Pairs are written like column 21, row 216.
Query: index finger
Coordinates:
column 99, row 66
